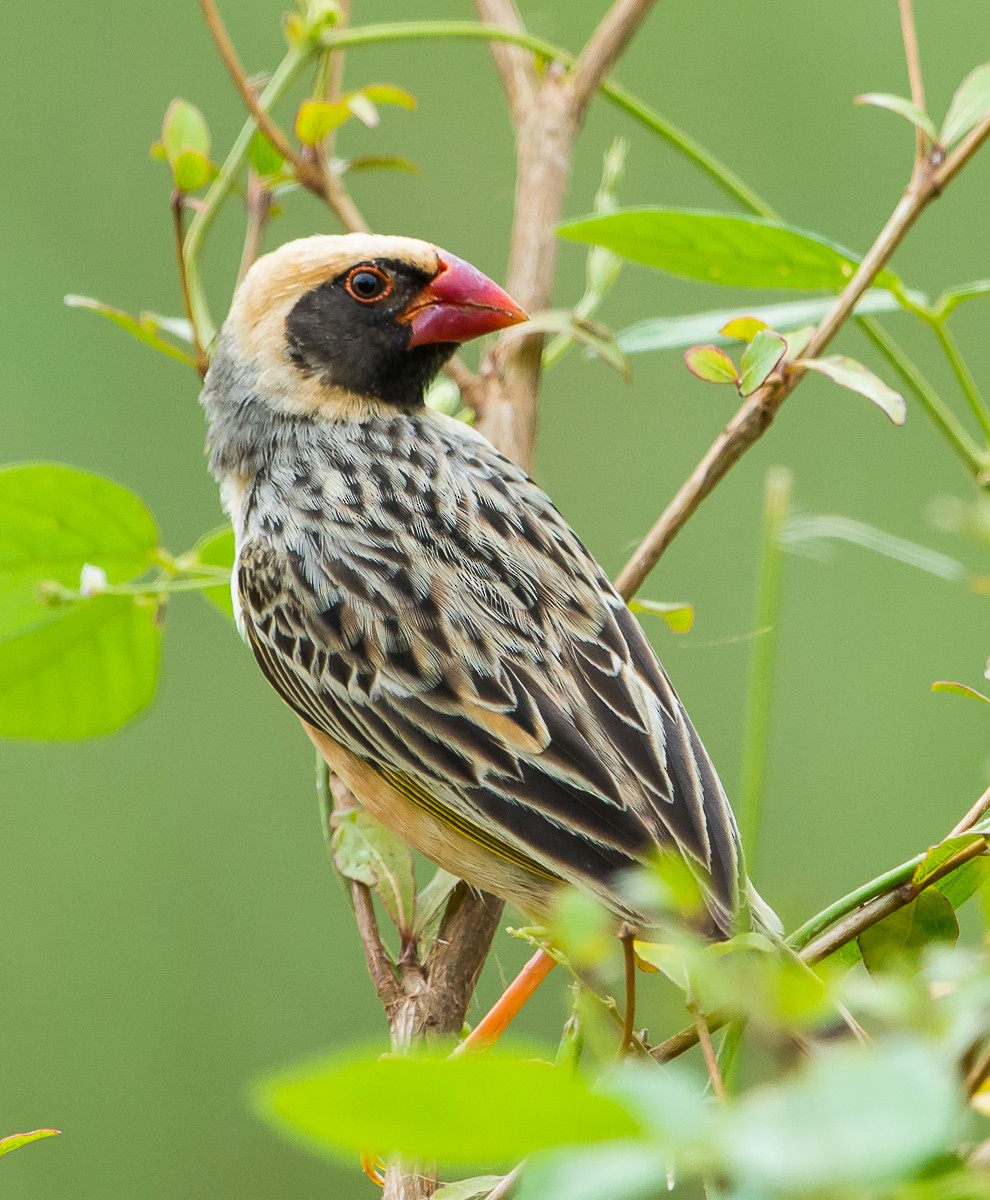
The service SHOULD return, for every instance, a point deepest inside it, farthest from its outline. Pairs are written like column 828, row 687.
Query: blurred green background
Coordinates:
column 171, row 926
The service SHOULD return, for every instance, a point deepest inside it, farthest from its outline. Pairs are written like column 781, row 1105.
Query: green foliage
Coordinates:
column 72, row 670
column 214, row 549
column 15, row 1141
column 904, row 108
column 146, row 327
column 853, row 376
column 711, row 365
column 970, row 105
column 719, row 248
column 363, row 850
column 760, row 359
column 678, row 616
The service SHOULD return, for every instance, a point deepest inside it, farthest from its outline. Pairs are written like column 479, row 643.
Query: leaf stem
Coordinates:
column 967, row 382
column 776, row 508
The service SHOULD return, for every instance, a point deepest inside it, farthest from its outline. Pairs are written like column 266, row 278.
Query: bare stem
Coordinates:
column 964, row 375
column 177, row 204
column 604, row 48
column 909, row 35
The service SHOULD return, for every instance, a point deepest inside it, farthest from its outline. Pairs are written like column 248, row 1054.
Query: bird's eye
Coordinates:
column 368, row 284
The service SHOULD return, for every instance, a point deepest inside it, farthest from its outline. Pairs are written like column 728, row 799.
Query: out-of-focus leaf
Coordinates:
column 970, row 105
column 710, row 364
column 721, row 248
column 184, row 128
column 965, row 881
column 316, row 118
column 904, row 108
column 144, row 328
column 674, row 333
column 364, row 109
column 388, row 93
column 263, row 156
column 671, row 959
column 898, row 941
column 191, row 171
column 959, row 689
column 852, row 1117
column 797, row 341
column 853, row 376
column 743, row 329
column 433, row 1108
column 375, row 162
column 621, row 1171
column 82, row 668
column 596, row 338
column 14, row 1141
column 177, row 327
column 679, row 616
column 680, row 1122
column 582, row 929
column 366, row 851
column 760, row 359
column 468, row 1189
column 809, row 534
column 951, row 299
column 214, row 549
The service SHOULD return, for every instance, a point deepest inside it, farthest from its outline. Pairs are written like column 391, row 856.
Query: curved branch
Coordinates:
column 604, row 48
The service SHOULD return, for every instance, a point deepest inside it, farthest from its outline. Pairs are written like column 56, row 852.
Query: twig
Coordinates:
column 514, row 65
column 503, row 1189
column 178, row 207
column 978, row 810
column 258, row 203
column 604, row 48
column 707, row 1050
column 756, row 414
column 627, row 935
column 909, row 35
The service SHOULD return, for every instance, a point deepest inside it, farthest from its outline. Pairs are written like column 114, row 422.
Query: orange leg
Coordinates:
column 491, row 1027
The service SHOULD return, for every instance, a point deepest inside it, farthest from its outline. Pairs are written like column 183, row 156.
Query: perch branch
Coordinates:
column 912, row 56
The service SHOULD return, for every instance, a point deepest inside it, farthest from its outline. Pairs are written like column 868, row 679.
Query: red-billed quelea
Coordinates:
column 455, row 653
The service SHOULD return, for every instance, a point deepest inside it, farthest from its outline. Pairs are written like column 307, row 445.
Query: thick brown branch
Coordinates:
column 603, row 49
column 379, row 965
column 755, row 415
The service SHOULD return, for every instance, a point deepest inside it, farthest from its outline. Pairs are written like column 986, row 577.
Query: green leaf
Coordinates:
column 970, row 105
column 596, row 338
column 898, row 941
column 710, row 364
column 84, row 668
column 14, row 1141
column 388, row 93
column 743, row 329
column 191, row 171
column 375, row 162
column 853, row 376
column 214, row 549
column 263, row 156
column 760, row 359
column 184, row 128
column 723, row 249
column 678, row 615
column 367, row 852
column 904, row 108
column 852, row 1117
column 937, row 855
column 476, row 1188
column 316, row 118
column 430, row 900
column 144, row 328
column 951, row 299
column 434, row 1108
column 674, row 333
column 621, row 1171
column 959, row 689
column 678, row 1119
column 964, row 881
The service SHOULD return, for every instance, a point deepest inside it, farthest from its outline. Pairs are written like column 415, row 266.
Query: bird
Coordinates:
column 455, row 653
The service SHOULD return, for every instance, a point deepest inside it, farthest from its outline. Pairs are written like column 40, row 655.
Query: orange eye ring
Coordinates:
column 358, row 284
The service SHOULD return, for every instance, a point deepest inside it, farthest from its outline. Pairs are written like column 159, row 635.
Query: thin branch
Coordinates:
column 506, row 1186
column 379, row 964
column 978, row 810
column 604, row 48
column 178, row 206
column 756, row 414
column 967, row 382
column 258, row 202
column 515, row 67
column 708, row 1051
column 909, row 35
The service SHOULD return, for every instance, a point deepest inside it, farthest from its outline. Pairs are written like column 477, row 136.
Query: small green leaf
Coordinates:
column 191, row 171
column 723, row 249
column 387, row 93
column 951, row 299
column 711, row 364
column 850, row 374
column 760, row 359
column 144, row 328
column 214, row 549
column 367, row 852
column 83, row 668
column 743, row 329
column 433, row 1108
column 853, row 1116
column 959, row 689
column 363, row 108
column 678, row 615
column 184, row 128
column 430, row 900
column 375, row 162
column 14, row 1141
column 674, row 333
column 898, row 941
column 904, row 108
column 597, row 339
column 970, row 105
column 476, row 1188
column 263, row 156
column 316, row 118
